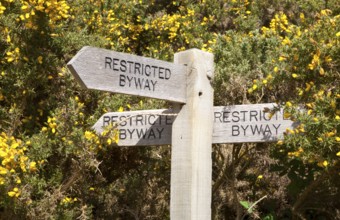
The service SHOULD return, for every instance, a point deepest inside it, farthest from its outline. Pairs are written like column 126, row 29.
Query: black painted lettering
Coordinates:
column 145, row 119
column 122, row 121
column 277, row 114
column 115, row 63
column 225, row 117
column 276, row 128
column 149, row 120
column 130, row 80
column 131, row 132
column 154, row 70
column 147, row 70
column 153, row 84
column 167, row 74
column 161, row 72
column 137, row 68
column 106, row 120
column 217, row 115
column 121, row 80
column 141, row 133
column 139, row 82
column 122, row 134
column 244, row 129
column 267, row 130
column 265, row 116
column 130, row 65
column 235, row 130
column 123, row 65
column 113, row 118
column 160, row 131
column 130, row 120
column 168, row 120
column 151, row 134
column 108, row 62
column 243, row 115
column 236, row 117
column 253, row 114
column 147, row 84
column 255, row 129
column 139, row 118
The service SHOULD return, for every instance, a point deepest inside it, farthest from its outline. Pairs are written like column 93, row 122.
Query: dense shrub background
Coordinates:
column 54, row 167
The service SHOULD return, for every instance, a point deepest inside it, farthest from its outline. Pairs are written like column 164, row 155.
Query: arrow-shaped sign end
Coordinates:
column 71, row 65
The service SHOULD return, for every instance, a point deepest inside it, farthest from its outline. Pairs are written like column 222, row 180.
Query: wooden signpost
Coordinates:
column 231, row 124
column 111, row 71
column 191, row 127
column 185, row 81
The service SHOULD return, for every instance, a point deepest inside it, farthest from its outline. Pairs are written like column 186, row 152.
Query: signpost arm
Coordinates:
column 191, row 163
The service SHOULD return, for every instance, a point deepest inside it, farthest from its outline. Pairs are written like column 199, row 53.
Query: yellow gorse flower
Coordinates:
column 56, row 10
column 13, row 162
column 315, row 61
column 13, row 56
column 52, row 124
column 288, row 104
column 2, row 8
column 40, row 59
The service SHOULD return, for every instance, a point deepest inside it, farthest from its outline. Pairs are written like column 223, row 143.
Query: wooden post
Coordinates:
column 191, row 165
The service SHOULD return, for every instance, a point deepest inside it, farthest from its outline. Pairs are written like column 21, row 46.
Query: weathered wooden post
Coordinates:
column 191, row 165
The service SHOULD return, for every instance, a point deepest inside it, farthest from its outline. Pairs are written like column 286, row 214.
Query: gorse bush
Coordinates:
column 304, row 74
column 54, row 166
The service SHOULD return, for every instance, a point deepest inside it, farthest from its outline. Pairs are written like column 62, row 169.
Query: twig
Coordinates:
column 256, row 203
column 252, row 206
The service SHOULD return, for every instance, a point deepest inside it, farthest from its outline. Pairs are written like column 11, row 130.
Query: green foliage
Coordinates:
column 246, row 205
column 54, row 167
column 306, row 74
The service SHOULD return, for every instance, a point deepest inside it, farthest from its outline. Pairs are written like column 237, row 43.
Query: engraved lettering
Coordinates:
column 123, row 66
column 114, row 60
column 235, row 130
column 217, row 115
column 108, row 61
column 121, row 80
column 244, row 129
column 276, row 128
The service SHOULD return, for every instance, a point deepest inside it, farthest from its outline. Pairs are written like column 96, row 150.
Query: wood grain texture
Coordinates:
column 231, row 124
column 191, row 165
column 106, row 70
